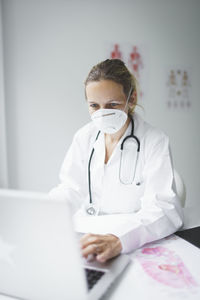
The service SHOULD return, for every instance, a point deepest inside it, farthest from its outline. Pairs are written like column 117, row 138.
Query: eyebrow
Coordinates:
column 109, row 101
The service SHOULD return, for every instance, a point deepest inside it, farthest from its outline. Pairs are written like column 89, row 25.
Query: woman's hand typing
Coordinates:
column 102, row 247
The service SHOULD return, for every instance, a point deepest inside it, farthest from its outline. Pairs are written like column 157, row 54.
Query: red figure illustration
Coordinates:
column 116, row 53
column 135, row 62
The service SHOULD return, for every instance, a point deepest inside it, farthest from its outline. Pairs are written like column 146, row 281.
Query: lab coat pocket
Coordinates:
column 128, row 162
column 128, row 196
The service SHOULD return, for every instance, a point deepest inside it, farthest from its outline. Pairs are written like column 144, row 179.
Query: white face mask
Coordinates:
column 110, row 120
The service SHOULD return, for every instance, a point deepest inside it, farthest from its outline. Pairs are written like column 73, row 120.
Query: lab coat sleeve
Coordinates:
column 72, row 180
column 161, row 213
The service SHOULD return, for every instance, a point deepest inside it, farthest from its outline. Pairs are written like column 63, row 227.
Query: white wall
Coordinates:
column 3, row 152
column 50, row 46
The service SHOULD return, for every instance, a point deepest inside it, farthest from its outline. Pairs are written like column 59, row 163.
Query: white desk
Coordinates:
column 142, row 282
column 128, row 286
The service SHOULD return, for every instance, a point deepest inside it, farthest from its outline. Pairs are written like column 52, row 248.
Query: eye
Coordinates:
column 114, row 104
column 94, row 105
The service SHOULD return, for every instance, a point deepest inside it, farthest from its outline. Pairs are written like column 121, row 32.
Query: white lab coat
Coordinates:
column 150, row 205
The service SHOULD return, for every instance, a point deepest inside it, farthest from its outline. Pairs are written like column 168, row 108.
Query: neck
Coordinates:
column 114, row 138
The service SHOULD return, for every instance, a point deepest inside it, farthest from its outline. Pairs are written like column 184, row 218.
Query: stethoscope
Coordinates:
column 91, row 209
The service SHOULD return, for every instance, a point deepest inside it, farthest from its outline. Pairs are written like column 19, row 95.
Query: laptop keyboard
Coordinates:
column 92, row 277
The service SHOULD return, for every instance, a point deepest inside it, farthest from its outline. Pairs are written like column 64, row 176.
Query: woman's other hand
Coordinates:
column 103, row 247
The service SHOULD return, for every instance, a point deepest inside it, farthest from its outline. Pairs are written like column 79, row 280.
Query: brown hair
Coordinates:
column 115, row 70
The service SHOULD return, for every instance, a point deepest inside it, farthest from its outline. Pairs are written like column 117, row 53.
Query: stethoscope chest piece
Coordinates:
column 91, row 210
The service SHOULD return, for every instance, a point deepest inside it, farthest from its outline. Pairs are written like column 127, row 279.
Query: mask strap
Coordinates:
column 128, row 98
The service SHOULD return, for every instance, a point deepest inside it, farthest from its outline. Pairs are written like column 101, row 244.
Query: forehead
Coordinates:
column 104, row 90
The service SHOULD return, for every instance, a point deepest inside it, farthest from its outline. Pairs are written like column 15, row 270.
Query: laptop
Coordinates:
column 40, row 257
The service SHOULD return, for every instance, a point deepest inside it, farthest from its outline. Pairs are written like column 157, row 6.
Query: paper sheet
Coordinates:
column 168, row 269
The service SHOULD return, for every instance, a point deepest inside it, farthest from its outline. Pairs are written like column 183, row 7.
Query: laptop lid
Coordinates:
column 37, row 261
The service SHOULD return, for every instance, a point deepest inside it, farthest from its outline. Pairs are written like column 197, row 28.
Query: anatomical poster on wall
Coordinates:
column 178, row 88
column 135, row 58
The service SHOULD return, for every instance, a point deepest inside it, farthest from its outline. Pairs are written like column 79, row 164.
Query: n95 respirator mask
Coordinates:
column 109, row 120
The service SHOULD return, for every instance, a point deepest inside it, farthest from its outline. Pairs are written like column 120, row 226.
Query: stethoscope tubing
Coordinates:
column 89, row 173
column 122, row 145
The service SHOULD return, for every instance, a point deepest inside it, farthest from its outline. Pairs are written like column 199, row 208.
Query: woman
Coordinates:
column 99, row 178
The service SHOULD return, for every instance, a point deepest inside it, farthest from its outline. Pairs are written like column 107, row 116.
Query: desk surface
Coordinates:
column 181, row 268
column 171, row 273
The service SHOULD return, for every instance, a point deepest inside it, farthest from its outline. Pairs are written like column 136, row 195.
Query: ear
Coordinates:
column 132, row 100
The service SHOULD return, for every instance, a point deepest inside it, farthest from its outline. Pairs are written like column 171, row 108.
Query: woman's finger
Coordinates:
column 112, row 249
column 104, row 256
column 89, row 239
column 107, row 254
column 92, row 249
column 103, row 247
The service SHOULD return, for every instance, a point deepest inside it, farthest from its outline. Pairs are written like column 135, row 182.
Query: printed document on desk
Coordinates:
column 166, row 269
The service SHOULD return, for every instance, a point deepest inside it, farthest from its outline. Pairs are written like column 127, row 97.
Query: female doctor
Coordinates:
column 119, row 165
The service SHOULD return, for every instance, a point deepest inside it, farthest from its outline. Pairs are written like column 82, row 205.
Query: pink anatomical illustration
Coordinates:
column 166, row 267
